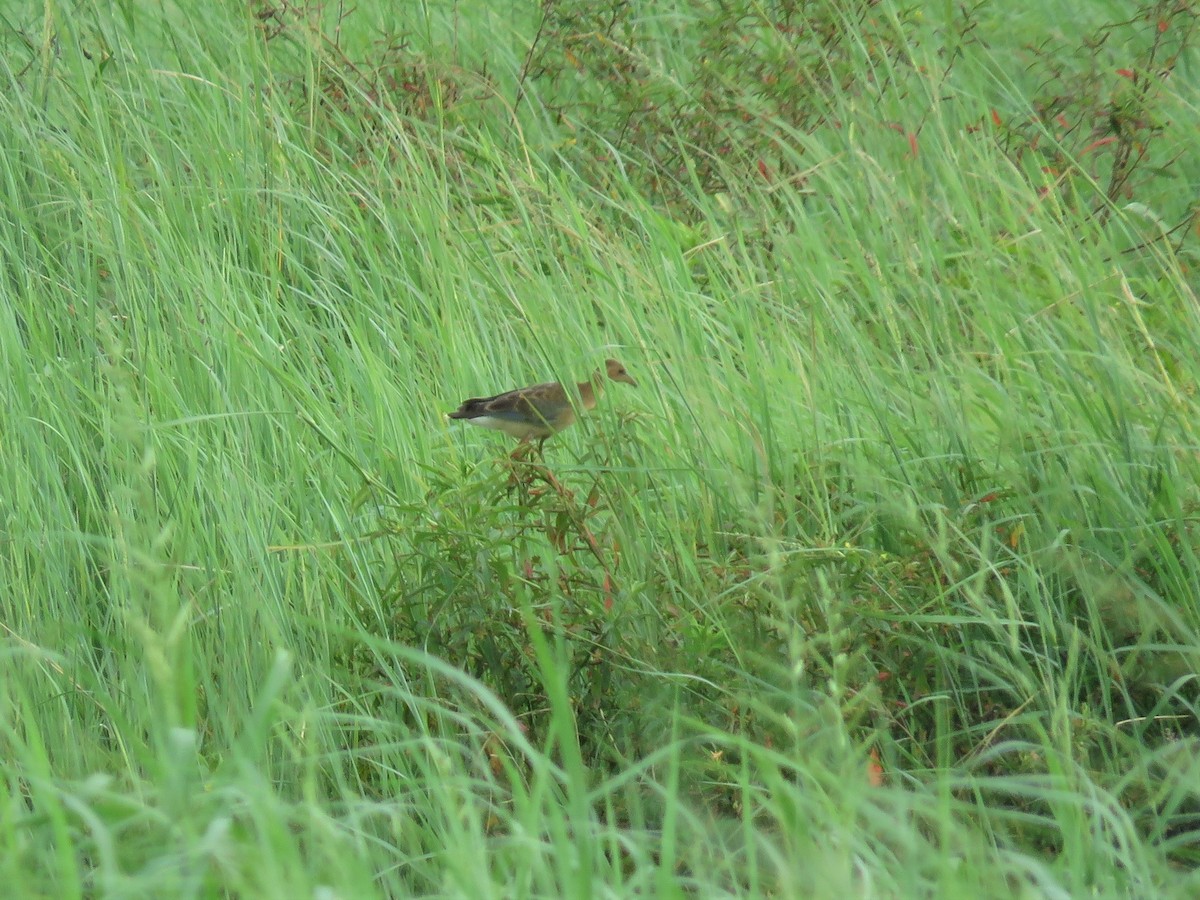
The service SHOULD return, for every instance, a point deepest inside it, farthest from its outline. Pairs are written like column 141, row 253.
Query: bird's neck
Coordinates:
column 591, row 389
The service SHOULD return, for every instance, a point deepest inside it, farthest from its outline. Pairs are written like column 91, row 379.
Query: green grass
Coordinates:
column 883, row 583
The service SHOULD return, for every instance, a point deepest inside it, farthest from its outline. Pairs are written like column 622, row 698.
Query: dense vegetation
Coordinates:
column 883, row 582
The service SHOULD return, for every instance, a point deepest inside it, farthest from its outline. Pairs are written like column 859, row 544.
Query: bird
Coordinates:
column 541, row 410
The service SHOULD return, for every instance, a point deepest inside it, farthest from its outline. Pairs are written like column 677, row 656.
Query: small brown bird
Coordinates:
column 539, row 411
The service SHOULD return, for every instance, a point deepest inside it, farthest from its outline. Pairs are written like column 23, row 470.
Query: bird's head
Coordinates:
column 616, row 371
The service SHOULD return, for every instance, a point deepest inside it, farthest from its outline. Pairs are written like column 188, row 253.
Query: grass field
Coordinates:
column 883, row 582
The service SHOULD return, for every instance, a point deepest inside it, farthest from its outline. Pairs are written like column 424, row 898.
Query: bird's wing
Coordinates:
column 541, row 403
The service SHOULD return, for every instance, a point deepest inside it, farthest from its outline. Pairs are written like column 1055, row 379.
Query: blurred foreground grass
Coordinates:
column 883, row 583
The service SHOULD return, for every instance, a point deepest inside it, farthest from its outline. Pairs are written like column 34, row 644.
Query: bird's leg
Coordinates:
column 516, row 457
column 556, row 485
column 529, row 457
